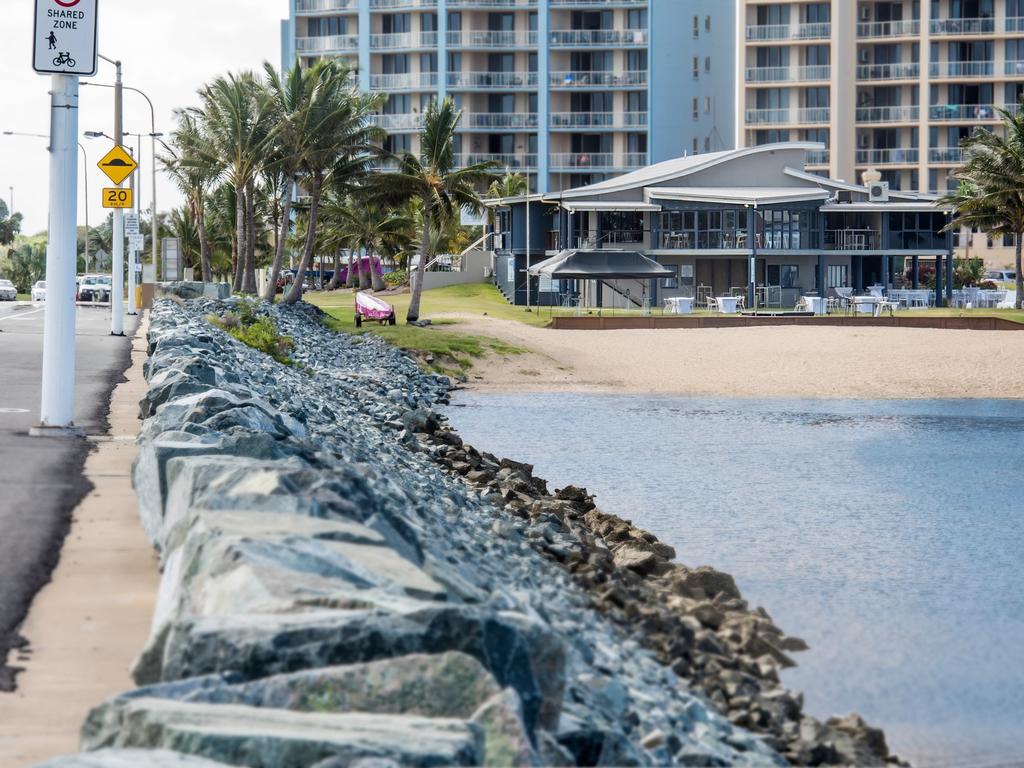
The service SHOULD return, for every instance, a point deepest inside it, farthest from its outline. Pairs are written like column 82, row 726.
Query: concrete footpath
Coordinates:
column 88, row 624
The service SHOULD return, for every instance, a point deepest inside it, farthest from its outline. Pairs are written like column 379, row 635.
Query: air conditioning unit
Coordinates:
column 878, row 192
column 499, row 242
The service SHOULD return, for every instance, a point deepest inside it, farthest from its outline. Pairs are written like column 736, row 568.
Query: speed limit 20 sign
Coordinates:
column 117, row 197
column 65, row 37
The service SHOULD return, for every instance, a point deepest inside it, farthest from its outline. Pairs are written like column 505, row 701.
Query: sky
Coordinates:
column 168, row 48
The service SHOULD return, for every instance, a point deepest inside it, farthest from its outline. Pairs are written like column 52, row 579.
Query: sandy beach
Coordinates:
column 830, row 362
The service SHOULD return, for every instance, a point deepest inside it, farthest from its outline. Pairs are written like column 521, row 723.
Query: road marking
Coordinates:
column 13, row 410
column 22, row 315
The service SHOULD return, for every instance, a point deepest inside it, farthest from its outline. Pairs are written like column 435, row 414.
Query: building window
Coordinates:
column 707, row 143
column 695, row 151
column 696, row 67
column 707, row 23
column 784, row 275
column 328, row 26
column 707, row 63
column 836, row 276
column 696, row 108
column 696, row 26
column 707, row 105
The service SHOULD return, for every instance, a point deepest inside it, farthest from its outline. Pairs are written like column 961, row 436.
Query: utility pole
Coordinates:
column 132, row 310
column 85, row 180
column 117, row 278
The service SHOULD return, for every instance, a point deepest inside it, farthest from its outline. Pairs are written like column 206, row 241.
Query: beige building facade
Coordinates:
column 892, row 86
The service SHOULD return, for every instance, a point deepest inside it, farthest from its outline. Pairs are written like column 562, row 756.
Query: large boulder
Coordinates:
column 270, row 738
column 131, row 758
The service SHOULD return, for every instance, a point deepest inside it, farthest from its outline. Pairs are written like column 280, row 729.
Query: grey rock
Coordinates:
column 131, row 758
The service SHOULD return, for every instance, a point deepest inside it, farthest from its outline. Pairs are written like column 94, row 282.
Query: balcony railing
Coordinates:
column 582, row 160
column 768, row 116
column 898, row 71
column 788, row 74
column 324, row 6
column 599, row 78
column 487, row 39
column 499, row 120
column 963, row 112
column 946, row 155
column 393, row 40
column 490, row 80
column 503, row 161
column 1014, row 24
column 766, row 32
column 398, row 122
column 887, row 156
column 403, row 81
column 812, row 115
column 396, row 4
column 818, row 31
column 327, row 43
column 962, row 68
column 623, row 3
column 888, row 114
column 869, row 29
column 588, row 38
column 948, row 27
column 634, row 160
column 817, row 157
column 852, row 239
column 1014, row 67
column 598, row 120
column 492, row 3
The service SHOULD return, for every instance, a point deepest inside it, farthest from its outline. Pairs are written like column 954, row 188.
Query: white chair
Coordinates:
column 712, row 304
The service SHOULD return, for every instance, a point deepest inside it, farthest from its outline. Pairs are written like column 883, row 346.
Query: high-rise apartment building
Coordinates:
column 891, row 85
column 568, row 91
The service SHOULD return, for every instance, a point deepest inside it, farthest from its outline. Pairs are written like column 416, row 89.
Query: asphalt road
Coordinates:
column 41, row 478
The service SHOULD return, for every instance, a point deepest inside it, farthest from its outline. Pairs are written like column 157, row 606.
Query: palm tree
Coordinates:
column 184, row 227
column 193, row 172
column 364, row 224
column 990, row 195
column 443, row 188
column 10, row 224
column 237, row 125
column 339, row 141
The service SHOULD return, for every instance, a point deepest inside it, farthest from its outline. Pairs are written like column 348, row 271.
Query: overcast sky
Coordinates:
column 168, row 49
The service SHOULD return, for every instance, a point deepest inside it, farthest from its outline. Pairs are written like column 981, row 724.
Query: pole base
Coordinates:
column 117, row 334
column 45, row 430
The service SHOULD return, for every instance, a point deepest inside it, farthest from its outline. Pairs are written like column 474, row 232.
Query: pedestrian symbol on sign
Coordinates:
column 52, row 40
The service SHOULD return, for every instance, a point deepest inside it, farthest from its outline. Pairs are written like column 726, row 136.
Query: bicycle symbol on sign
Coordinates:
column 64, row 59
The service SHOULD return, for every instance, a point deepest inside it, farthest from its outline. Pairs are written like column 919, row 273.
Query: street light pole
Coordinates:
column 155, row 226
column 117, row 276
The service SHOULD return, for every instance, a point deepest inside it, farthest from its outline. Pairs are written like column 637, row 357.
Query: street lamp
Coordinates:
column 154, row 136
column 85, row 181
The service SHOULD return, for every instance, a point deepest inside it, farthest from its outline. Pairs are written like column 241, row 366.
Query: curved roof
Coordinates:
column 603, row 264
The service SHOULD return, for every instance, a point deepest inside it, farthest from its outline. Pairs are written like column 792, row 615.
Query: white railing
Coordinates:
column 812, row 115
column 395, row 4
column 567, row 38
column 488, row 80
column 897, row 71
column 962, row 68
column 490, row 120
column 408, row 80
column 502, row 160
column 887, row 114
column 583, row 78
column 816, row 31
column 888, row 28
column 946, row 155
column 963, row 112
column 817, row 157
column 768, row 74
column 327, row 43
column 491, row 39
column 977, row 26
column 767, row 116
column 492, row 3
column 814, row 72
column 887, row 156
column 321, row 6
column 398, row 122
column 597, row 120
column 393, row 40
column 582, row 160
column 763, row 32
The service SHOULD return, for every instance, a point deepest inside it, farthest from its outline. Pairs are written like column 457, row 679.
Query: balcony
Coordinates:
column 488, row 40
column 597, row 161
column 488, row 81
column 962, row 68
column 502, row 121
column 594, row 38
column 407, row 81
column 852, row 239
column 1014, row 24
column 960, row 27
column 899, row 71
column 503, row 161
column 788, row 74
column 768, row 116
column 489, row 4
column 812, row 115
column 886, row 29
column 599, row 3
column 402, row 4
column 327, row 44
column 399, row 40
column 597, row 120
column 304, row 7
column 819, row 31
column 1014, row 68
column 599, row 79
column 787, row 32
column 398, row 122
column 946, row 155
column 962, row 112
column 817, row 157
column 887, row 156
column 888, row 114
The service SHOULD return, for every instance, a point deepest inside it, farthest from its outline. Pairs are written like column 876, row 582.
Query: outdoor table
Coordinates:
column 866, row 304
column 815, row 304
column 728, row 305
column 680, row 305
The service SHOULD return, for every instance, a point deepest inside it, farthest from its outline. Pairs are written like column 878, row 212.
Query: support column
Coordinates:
column 915, row 262
column 752, row 260
column 949, row 277
column 821, row 274
column 940, row 300
column 887, row 271
column 858, row 273
column 543, row 96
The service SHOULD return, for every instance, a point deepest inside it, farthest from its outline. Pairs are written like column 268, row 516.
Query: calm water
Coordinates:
column 889, row 535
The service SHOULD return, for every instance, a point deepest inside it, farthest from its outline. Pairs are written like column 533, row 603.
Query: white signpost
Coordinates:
column 64, row 46
column 65, row 37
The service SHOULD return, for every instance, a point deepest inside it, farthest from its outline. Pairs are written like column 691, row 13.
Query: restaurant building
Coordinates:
column 751, row 222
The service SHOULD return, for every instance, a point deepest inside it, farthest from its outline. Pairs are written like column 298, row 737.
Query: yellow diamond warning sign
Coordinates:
column 118, row 165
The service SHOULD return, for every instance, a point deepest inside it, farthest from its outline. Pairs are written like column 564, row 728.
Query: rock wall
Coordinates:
column 344, row 584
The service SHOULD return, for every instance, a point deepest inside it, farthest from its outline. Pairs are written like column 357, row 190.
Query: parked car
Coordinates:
column 39, row 291
column 1001, row 275
column 7, row 291
column 94, row 288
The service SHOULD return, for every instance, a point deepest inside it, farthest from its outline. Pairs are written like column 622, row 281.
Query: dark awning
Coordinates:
column 600, row 265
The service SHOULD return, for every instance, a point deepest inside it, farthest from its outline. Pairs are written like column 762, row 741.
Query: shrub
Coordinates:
column 264, row 336
column 398, row 277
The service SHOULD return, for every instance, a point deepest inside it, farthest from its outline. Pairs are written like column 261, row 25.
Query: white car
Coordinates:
column 7, row 291
column 1001, row 275
column 39, row 291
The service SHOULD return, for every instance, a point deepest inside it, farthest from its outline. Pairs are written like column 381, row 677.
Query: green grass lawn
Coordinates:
column 438, row 349
column 24, row 297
